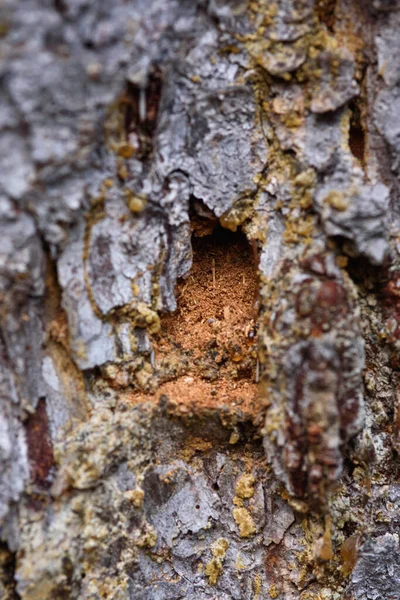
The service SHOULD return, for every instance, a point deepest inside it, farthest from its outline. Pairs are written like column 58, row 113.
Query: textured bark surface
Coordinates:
column 200, row 287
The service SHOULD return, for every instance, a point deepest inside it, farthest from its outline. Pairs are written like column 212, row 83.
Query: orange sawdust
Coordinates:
column 216, row 301
column 206, row 350
column 205, row 355
column 190, row 395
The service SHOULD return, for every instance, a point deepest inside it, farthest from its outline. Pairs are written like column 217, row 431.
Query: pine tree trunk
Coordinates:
column 200, row 283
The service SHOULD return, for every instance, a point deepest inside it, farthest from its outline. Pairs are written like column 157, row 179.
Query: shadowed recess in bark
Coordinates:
column 7, row 570
column 207, row 349
column 356, row 133
column 141, row 111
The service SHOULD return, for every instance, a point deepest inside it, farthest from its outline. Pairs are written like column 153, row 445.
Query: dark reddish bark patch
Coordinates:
column 326, row 13
column 40, row 449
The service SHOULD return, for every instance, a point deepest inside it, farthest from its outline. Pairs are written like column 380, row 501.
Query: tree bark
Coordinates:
column 200, row 281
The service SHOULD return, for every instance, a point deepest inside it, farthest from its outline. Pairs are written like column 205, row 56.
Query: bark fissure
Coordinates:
column 199, row 289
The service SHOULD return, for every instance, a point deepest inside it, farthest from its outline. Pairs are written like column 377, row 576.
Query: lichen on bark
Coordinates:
column 199, row 271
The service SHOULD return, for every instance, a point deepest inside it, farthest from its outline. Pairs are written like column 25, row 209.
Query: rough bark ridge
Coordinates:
column 166, row 431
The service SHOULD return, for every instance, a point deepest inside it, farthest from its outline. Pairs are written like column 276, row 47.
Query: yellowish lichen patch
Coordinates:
column 303, row 187
column 236, row 215
column 193, row 446
column 143, row 316
column 214, row 568
column 257, row 586
column 143, row 375
column 337, row 200
column 273, row 591
column 124, row 149
column 135, row 496
column 301, row 228
column 244, row 521
column 135, row 203
column 135, row 289
column 148, row 539
column 245, row 486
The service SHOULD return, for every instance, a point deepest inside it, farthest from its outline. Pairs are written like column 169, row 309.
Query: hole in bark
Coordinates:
column 368, row 277
column 7, row 571
column 213, row 326
column 356, row 133
column 141, row 112
column 217, row 298
column 206, row 351
column 60, row 6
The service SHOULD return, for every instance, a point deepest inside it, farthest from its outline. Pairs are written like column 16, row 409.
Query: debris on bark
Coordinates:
column 199, row 276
